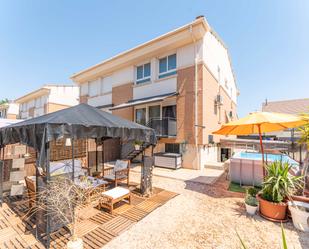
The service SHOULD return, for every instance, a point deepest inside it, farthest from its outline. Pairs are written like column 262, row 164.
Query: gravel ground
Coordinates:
column 204, row 216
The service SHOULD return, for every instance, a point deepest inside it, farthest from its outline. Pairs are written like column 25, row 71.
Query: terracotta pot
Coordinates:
column 272, row 210
column 300, row 198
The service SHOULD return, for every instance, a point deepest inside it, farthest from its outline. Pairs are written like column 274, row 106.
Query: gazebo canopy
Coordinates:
column 77, row 122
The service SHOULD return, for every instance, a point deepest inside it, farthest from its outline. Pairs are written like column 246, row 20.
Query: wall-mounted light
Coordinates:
column 68, row 142
column 27, row 155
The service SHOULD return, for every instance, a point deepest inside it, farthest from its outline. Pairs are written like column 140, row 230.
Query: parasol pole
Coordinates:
column 262, row 149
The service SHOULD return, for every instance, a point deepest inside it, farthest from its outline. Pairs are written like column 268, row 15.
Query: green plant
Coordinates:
column 252, row 191
column 4, row 101
column 251, row 201
column 278, row 183
column 284, row 243
column 136, row 142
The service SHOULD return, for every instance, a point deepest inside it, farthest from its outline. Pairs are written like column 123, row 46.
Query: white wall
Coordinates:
column 100, row 100
column 214, row 56
column 64, row 95
column 208, row 154
column 156, row 88
column 13, row 108
column 186, row 54
column 103, row 85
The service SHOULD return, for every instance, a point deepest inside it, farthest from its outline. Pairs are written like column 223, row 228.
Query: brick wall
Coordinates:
column 53, row 107
column 83, row 99
column 212, row 120
column 120, row 95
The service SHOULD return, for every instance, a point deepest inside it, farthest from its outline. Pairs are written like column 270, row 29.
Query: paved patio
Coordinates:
column 204, row 216
column 206, row 176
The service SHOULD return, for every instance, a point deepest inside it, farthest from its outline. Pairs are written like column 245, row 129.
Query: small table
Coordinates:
column 90, row 183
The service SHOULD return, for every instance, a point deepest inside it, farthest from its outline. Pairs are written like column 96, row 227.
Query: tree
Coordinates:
column 3, row 101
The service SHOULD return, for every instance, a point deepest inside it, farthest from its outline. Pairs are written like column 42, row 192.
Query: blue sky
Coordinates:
column 47, row 41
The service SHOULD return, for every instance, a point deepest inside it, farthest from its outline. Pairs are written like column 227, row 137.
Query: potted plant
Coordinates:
column 276, row 188
column 137, row 144
column 299, row 203
column 251, row 201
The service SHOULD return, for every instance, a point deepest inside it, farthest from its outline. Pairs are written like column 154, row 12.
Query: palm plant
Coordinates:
column 304, row 139
column 279, row 184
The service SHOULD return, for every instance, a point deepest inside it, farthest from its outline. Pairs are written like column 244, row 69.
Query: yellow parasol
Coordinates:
column 260, row 122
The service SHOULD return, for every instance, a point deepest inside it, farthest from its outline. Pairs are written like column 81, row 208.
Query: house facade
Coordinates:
column 47, row 99
column 9, row 110
column 181, row 84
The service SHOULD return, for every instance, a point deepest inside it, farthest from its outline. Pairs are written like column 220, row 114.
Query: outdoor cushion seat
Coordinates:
column 119, row 172
column 112, row 196
column 117, row 192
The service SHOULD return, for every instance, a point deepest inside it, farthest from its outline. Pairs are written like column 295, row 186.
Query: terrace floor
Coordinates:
column 96, row 227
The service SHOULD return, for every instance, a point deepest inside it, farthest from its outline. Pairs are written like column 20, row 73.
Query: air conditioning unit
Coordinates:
column 219, row 99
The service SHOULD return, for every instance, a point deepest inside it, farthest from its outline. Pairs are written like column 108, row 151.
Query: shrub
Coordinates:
column 251, row 201
column 279, row 184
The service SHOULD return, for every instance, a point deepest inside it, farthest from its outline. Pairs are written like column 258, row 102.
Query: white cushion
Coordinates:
column 120, row 165
column 117, row 192
column 112, row 177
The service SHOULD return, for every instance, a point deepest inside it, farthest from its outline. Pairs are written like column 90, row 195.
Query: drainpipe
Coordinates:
column 195, row 98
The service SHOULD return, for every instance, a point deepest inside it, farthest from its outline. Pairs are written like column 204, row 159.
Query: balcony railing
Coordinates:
column 164, row 127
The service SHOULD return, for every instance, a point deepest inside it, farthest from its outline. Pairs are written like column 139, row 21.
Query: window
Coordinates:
column 154, row 112
column 167, row 66
column 94, row 88
column 143, row 73
column 215, row 107
column 172, row 148
column 140, row 116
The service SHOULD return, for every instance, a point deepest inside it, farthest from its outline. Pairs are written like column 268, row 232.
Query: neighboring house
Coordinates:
column 293, row 106
column 47, row 99
column 9, row 110
column 180, row 83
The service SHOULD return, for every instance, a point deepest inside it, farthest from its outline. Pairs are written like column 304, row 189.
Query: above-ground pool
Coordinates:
column 267, row 157
column 246, row 167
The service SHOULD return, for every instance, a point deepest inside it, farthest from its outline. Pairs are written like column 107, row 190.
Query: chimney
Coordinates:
column 198, row 17
column 266, row 102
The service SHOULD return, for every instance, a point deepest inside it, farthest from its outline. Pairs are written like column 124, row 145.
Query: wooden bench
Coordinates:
column 112, row 196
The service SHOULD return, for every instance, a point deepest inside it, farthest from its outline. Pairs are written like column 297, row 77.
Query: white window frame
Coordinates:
column 167, row 70
column 147, row 110
column 144, row 79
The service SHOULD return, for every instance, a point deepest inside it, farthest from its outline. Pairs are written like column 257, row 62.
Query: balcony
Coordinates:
column 164, row 127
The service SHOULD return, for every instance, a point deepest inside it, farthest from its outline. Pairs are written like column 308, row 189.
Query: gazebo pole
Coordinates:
column 73, row 163
column 96, row 155
column 37, row 189
column 262, row 149
column 1, row 176
column 47, row 182
column 103, row 157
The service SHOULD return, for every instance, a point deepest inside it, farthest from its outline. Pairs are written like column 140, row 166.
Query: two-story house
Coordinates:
column 47, row 99
column 9, row 110
column 180, row 83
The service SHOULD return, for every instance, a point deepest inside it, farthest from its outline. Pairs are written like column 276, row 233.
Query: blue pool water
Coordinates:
column 267, row 157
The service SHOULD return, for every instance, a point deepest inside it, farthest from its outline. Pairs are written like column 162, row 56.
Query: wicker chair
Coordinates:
column 31, row 188
column 120, row 172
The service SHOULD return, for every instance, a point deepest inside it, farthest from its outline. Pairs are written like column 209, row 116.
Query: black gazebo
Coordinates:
column 77, row 122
